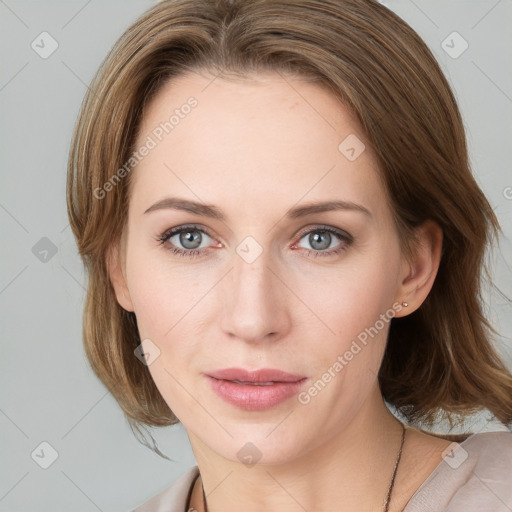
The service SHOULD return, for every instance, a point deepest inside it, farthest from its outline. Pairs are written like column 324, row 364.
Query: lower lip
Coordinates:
column 255, row 398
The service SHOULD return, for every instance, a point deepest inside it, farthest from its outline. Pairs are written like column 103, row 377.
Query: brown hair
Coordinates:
column 439, row 359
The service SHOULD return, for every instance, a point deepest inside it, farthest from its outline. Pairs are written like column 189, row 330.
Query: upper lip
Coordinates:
column 261, row 375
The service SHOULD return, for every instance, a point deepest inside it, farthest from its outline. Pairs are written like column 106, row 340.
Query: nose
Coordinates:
column 255, row 301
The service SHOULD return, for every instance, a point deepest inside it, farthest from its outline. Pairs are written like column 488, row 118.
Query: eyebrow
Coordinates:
column 209, row 210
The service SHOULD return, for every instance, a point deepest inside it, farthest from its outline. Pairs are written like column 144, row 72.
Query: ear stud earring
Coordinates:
column 405, row 304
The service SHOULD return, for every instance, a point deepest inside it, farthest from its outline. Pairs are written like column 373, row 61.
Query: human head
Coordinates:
column 384, row 74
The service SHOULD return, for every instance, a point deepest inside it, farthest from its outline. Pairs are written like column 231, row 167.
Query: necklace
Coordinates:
column 388, row 497
column 391, row 485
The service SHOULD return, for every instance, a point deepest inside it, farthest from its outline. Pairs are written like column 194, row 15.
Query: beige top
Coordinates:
column 474, row 476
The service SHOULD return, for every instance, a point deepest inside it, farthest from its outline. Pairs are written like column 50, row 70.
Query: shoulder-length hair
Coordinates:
column 440, row 359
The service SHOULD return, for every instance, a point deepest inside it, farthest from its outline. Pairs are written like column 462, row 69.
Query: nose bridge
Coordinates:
column 254, row 305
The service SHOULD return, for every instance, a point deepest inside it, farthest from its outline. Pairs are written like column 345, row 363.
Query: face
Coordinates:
column 258, row 279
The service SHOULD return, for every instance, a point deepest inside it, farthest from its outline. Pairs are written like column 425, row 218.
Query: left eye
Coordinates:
column 321, row 238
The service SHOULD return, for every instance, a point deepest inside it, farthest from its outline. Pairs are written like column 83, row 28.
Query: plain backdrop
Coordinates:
column 49, row 394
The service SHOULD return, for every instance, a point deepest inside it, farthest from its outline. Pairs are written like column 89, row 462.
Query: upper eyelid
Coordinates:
column 179, row 229
column 331, row 229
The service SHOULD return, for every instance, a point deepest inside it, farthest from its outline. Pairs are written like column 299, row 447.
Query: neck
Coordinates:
column 355, row 468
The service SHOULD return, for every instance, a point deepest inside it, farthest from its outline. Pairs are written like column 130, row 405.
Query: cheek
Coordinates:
column 352, row 297
column 168, row 308
column 163, row 294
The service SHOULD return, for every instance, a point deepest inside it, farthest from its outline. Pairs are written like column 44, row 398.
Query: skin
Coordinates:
column 256, row 148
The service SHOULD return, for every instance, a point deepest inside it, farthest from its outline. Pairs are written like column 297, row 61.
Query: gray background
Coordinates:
column 48, row 391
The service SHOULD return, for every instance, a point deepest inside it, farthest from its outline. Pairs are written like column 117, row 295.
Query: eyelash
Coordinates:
column 191, row 253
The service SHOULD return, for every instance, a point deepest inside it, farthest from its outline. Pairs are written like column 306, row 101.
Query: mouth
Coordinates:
column 255, row 390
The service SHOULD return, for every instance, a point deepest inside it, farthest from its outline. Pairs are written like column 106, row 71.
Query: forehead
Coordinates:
column 247, row 140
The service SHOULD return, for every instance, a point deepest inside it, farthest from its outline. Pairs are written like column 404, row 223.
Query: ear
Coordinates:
column 117, row 274
column 418, row 273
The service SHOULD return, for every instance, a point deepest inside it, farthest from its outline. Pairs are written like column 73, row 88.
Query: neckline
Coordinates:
column 418, row 490
column 437, row 468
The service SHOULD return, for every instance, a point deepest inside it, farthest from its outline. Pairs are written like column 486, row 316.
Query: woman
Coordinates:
column 282, row 233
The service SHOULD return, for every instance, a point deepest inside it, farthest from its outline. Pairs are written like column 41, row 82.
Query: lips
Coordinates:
column 255, row 390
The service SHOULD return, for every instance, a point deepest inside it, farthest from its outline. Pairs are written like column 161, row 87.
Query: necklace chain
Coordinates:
column 399, row 456
column 391, row 485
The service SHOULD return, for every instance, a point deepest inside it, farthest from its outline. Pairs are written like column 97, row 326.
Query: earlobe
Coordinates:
column 420, row 272
column 117, row 277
